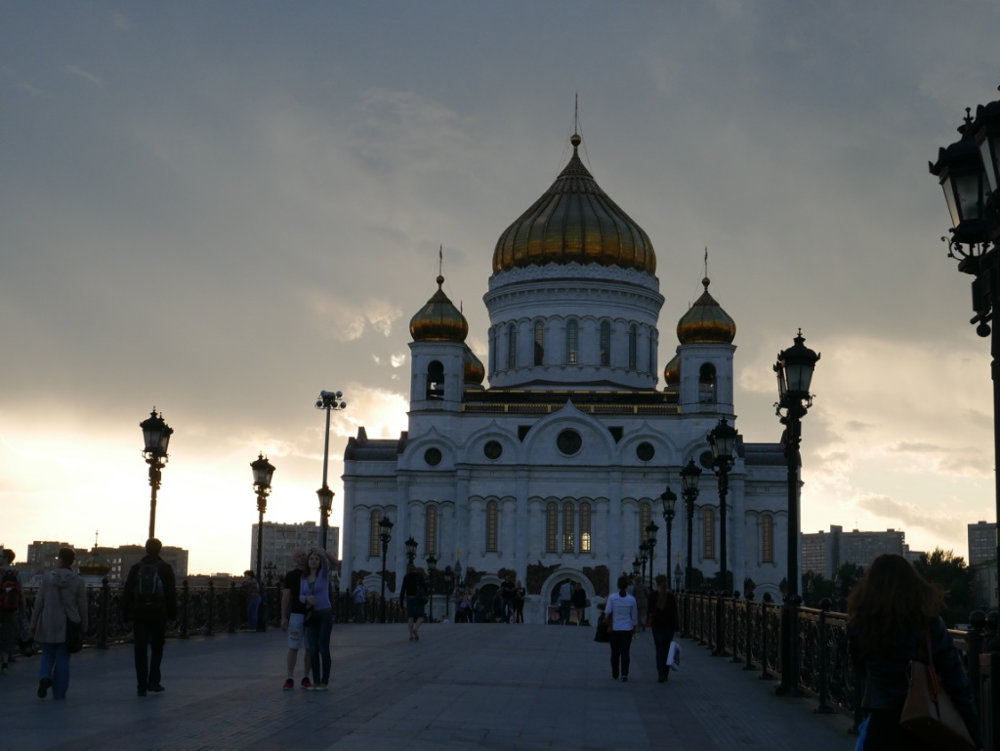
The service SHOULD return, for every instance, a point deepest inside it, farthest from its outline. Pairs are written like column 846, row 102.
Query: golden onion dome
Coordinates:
column 439, row 320
column 672, row 372
column 706, row 322
column 473, row 369
column 574, row 222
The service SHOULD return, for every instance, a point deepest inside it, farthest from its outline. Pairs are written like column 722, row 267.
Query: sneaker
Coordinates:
column 43, row 687
column 307, row 684
column 320, row 687
column 289, row 685
column 156, row 688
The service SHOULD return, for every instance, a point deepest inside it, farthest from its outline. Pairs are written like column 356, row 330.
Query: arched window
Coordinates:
column 539, row 343
column 633, row 346
column 706, row 383
column 374, row 545
column 645, row 517
column 767, row 539
column 572, row 341
column 569, row 527
column 708, row 534
column 431, row 531
column 511, row 347
column 584, row 527
column 605, row 342
column 492, row 519
column 435, row 380
column 551, row 528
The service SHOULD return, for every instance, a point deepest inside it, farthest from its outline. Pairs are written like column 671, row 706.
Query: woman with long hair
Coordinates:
column 62, row 596
column 663, row 617
column 314, row 593
column 623, row 618
column 894, row 615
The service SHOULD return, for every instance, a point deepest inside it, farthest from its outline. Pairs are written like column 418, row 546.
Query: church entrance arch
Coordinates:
column 552, row 609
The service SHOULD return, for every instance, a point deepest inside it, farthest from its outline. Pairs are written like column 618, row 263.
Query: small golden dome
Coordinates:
column 474, row 370
column 672, row 373
column 574, row 222
column 706, row 322
column 439, row 320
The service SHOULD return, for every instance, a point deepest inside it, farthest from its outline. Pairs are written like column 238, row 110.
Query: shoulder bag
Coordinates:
column 929, row 713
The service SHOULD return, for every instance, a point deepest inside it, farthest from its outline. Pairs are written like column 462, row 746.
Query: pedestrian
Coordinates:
column 507, row 599
column 519, row 594
column 663, row 620
column 580, row 604
column 293, row 612
column 565, row 601
column 413, row 594
column 61, row 597
column 623, row 613
column 360, row 597
column 894, row 615
column 149, row 600
column 314, row 593
column 641, row 600
column 11, row 608
column 251, row 589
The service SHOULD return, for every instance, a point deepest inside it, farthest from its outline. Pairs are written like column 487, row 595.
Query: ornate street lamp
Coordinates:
column 263, row 470
column 432, row 562
column 690, row 476
column 643, row 557
column 449, row 588
column 385, row 535
column 651, row 530
column 794, row 368
column 722, row 439
column 636, row 566
column 969, row 173
column 669, row 500
column 411, row 549
column 325, row 496
column 156, row 437
column 329, row 401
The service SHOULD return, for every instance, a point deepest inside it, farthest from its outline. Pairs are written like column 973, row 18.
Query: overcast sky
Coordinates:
column 222, row 208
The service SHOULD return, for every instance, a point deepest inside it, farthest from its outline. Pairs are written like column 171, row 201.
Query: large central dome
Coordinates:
column 574, row 221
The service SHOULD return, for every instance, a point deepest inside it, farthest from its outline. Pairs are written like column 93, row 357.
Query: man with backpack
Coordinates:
column 11, row 608
column 149, row 601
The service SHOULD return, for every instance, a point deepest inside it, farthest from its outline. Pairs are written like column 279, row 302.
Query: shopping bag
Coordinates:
column 929, row 713
column 674, row 655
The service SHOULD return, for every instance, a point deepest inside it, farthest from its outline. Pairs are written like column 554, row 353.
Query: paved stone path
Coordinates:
column 461, row 687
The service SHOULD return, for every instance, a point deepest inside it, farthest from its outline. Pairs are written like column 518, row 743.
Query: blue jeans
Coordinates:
column 252, row 609
column 318, row 641
column 55, row 667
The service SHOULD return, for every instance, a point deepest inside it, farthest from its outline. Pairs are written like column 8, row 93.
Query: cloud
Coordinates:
column 76, row 70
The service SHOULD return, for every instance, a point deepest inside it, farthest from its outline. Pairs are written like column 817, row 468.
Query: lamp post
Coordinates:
column 689, row 487
column 794, row 367
column 669, row 499
column 678, row 575
column 263, row 470
column 969, row 173
column 431, row 568
column 411, row 550
column 643, row 557
column 722, row 439
column 636, row 566
column 449, row 583
column 156, row 437
column 651, row 530
column 385, row 535
column 329, row 401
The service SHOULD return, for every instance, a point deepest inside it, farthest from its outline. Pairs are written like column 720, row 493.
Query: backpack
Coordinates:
column 149, row 596
column 10, row 591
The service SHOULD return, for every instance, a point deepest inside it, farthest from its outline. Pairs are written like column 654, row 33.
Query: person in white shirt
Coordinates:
column 623, row 613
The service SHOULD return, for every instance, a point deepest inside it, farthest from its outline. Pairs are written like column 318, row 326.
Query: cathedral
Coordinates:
column 550, row 463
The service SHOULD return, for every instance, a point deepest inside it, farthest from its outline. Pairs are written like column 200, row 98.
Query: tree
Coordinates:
column 815, row 587
column 846, row 577
column 944, row 568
